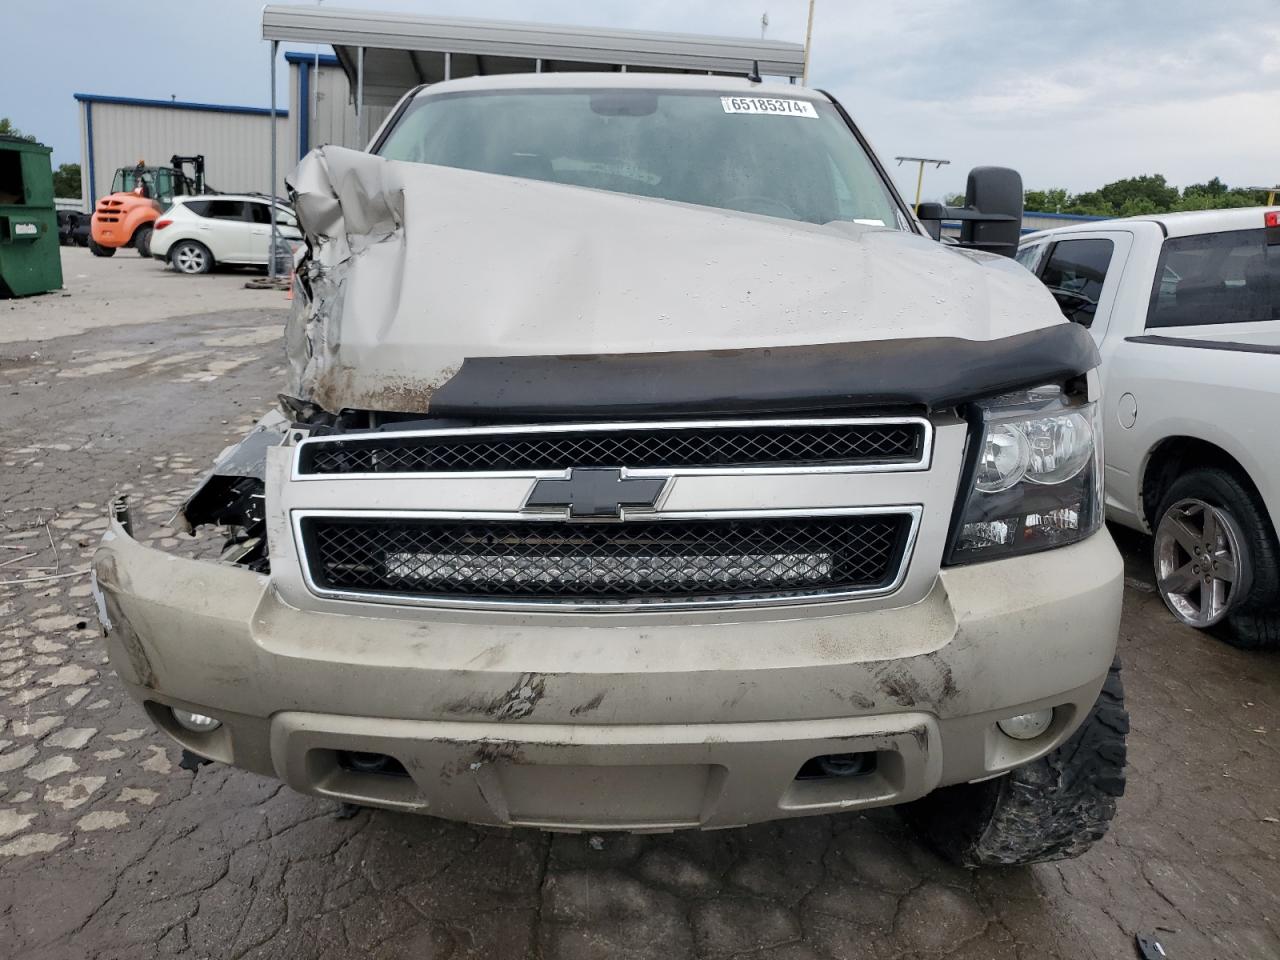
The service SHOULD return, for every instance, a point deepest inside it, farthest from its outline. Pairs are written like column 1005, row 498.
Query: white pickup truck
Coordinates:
column 1185, row 309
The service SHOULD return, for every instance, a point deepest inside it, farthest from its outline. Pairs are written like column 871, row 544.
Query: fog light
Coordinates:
column 1027, row 726
column 195, row 722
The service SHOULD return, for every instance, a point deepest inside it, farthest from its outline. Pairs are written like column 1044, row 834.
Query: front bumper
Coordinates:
column 593, row 722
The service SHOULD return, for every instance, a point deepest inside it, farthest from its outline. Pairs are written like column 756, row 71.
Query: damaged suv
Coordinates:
column 645, row 465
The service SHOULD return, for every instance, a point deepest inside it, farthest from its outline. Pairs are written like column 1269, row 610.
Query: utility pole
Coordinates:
column 271, row 256
column 314, row 125
column 808, row 42
column 764, row 23
column 938, row 164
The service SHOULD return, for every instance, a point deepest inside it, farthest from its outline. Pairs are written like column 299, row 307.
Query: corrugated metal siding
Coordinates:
column 335, row 118
column 236, row 146
column 85, row 192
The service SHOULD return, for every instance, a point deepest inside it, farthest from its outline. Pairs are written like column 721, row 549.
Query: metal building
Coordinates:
column 341, row 97
column 378, row 57
column 321, row 101
column 120, row 131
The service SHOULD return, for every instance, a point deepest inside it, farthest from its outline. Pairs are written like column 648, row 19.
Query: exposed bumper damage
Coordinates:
column 232, row 495
column 514, row 719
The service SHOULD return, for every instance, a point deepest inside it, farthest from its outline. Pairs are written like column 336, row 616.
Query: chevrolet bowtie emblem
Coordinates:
column 596, row 492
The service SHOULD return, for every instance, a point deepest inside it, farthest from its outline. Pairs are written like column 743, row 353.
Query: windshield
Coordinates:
column 154, row 183
column 782, row 157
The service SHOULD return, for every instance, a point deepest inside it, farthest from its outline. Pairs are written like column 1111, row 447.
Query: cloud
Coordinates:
column 1073, row 93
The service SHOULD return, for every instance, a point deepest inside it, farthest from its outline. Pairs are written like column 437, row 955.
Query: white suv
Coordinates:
column 198, row 232
column 644, row 465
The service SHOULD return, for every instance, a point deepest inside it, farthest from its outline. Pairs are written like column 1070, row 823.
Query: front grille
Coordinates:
column 671, row 447
column 651, row 561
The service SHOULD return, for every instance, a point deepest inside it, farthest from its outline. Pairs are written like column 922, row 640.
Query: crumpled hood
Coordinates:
column 415, row 268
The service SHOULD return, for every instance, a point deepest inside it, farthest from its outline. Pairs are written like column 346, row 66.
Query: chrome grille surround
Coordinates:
column 839, row 444
column 905, row 517
column 771, row 491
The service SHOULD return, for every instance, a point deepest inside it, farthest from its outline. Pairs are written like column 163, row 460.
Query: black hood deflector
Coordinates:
column 933, row 372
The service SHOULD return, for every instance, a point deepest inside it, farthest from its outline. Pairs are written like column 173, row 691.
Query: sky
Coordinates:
column 1072, row 93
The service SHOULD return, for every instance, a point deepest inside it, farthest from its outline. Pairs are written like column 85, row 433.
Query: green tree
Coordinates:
column 1216, row 195
column 1053, row 200
column 7, row 129
column 66, row 180
column 1212, row 188
column 1149, row 193
column 1139, row 207
column 1142, row 196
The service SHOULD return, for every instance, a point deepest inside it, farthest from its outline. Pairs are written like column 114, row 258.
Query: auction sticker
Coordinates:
column 774, row 106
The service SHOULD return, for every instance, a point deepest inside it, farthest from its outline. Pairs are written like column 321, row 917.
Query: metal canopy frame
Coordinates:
column 401, row 46
column 384, row 55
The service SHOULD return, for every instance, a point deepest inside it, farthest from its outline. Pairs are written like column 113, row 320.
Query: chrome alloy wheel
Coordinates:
column 190, row 259
column 1201, row 568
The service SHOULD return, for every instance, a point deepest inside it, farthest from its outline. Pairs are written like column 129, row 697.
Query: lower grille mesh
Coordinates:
column 566, row 561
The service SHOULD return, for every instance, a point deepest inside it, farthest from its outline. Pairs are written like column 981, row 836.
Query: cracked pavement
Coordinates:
column 109, row 850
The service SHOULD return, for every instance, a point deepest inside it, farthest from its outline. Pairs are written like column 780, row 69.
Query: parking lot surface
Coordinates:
column 109, row 849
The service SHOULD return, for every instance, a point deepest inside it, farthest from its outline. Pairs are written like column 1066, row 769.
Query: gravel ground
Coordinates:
column 109, row 850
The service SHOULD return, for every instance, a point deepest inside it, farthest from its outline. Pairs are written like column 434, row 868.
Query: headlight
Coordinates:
column 1037, row 482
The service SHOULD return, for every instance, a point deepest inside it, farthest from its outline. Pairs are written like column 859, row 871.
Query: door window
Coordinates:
column 162, row 187
column 1029, row 256
column 1074, row 274
column 1231, row 277
column 260, row 215
column 226, row 210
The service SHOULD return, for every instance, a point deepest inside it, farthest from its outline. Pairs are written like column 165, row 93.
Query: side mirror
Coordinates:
column 996, row 193
column 991, row 218
column 931, row 216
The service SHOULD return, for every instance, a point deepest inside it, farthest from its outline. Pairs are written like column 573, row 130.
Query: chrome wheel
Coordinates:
column 1201, row 567
column 190, row 258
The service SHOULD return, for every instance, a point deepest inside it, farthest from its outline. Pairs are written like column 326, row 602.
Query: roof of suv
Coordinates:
column 738, row 86
column 257, row 197
column 1189, row 223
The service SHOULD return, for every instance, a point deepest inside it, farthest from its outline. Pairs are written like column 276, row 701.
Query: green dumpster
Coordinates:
column 29, row 254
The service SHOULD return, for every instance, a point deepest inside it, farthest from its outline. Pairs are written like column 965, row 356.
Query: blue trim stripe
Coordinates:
column 304, row 107
column 957, row 224
column 88, row 98
column 326, row 59
column 1062, row 216
column 88, row 136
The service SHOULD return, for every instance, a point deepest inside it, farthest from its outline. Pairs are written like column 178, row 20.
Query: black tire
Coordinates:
column 142, row 240
column 100, row 251
column 1253, row 618
column 190, row 257
column 1053, row 808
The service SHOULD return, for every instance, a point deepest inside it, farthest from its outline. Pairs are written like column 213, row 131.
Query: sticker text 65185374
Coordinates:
column 771, row 106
